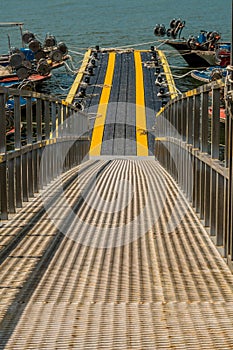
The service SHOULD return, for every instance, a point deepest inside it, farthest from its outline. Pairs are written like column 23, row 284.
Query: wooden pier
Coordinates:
column 116, row 213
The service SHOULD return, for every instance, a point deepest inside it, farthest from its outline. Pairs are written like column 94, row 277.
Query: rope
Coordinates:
column 101, row 85
column 229, row 69
column 77, row 53
column 71, row 62
column 79, row 48
column 134, row 45
column 59, row 86
column 179, row 92
column 184, row 75
column 185, row 67
column 162, row 43
column 205, row 80
column 74, row 70
column 69, row 69
column 118, row 47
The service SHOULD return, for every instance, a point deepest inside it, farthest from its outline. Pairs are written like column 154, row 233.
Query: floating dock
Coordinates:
column 122, row 97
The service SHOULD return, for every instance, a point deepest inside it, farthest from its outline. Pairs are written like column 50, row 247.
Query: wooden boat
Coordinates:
column 202, row 58
column 33, row 61
column 203, row 50
column 14, row 81
column 209, row 74
column 33, row 51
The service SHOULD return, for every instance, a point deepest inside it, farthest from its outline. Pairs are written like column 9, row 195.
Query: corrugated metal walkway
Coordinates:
column 120, row 261
column 110, row 284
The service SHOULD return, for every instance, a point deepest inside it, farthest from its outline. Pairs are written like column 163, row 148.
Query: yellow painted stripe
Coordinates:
column 168, row 74
column 161, row 138
column 162, row 109
column 190, row 93
column 76, row 83
column 98, row 131
column 141, row 136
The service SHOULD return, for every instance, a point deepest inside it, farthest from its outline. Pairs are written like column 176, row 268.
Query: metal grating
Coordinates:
column 164, row 289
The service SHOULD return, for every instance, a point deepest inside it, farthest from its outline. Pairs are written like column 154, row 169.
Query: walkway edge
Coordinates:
column 76, row 83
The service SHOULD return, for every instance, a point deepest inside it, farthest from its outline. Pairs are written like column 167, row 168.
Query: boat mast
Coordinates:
column 9, row 42
column 13, row 24
column 21, row 33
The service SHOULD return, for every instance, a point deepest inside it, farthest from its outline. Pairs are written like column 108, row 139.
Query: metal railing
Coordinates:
column 31, row 123
column 192, row 143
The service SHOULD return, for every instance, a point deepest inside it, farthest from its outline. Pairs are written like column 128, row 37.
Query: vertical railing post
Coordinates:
column 203, row 148
column 184, row 118
column 39, row 120
column 215, row 125
column 18, row 161
column 47, row 119
column 11, row 185
column 64, row 133
column 189, row 130
column 59, row 135
column 3, row 164
column 196, row 144
column 39, row 137
column 59, row 119
column 204, row 121
column 184, row 164
column 54, row 135
column 219, row 221
column 53, row 116
column 30, row 171
column 196, row 121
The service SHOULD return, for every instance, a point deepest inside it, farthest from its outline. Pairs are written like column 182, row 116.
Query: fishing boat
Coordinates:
column 49, row 49
column 13, row 81
column 209, row 74
column 34, row 61
column 203, row 50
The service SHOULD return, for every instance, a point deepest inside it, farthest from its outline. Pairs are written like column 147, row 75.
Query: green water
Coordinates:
column 81, row 24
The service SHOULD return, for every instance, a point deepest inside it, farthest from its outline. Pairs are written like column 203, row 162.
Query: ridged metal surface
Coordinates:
column 165, row 287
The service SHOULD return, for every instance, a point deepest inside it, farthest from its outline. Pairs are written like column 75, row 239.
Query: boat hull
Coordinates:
column 206, row 75
column 13, row 80
column 194, row 58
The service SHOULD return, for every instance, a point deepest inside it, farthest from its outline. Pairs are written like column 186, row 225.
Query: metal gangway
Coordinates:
column 116, row 212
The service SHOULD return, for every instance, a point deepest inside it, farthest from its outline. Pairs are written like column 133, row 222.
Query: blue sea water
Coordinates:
column 112, row 23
